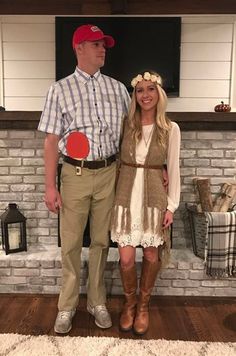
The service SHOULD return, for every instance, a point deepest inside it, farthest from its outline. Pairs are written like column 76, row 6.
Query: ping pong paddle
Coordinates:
column 77, row 145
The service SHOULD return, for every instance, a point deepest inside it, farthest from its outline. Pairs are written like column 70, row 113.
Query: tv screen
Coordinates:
column 142, row 43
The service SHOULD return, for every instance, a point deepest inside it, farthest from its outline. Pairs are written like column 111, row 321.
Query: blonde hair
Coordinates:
column 161, row 121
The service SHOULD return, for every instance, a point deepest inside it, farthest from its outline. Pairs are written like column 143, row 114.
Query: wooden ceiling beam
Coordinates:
column 107, row 7
column 40, row 7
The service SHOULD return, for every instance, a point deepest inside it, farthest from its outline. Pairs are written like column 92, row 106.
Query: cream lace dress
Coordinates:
column 137, row 236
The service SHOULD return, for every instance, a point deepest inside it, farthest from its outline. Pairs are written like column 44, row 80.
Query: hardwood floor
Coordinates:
column 171, row 318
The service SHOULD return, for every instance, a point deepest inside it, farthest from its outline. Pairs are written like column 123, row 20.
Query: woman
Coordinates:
column 143, row 210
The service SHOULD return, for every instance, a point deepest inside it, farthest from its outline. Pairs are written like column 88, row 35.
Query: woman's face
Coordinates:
column 147, row 95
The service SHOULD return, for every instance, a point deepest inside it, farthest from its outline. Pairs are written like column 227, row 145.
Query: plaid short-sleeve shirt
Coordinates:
column 94, row 105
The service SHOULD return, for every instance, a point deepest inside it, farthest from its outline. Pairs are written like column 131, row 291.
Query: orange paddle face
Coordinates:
column 77, row 145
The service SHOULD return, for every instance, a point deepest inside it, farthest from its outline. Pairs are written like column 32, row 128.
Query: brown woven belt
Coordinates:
column 137, row 165
column 90, row 164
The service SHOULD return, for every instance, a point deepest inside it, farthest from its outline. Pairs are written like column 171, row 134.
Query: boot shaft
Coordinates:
column 129, row 282
column 147, row 280
column 149, row 274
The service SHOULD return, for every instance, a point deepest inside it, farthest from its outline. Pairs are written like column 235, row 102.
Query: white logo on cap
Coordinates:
column 95, row 29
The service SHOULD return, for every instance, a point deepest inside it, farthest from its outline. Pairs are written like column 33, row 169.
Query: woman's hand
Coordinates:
column 168, row 219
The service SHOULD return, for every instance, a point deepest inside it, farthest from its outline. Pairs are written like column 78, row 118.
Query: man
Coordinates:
column 94, row 105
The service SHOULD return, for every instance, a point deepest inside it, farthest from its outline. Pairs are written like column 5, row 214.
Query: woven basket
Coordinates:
column 198, row 228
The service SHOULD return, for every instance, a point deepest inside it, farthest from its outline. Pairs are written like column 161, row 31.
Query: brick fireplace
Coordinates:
column 208, row 149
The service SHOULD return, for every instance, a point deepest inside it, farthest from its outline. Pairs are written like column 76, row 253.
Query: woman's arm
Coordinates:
column 173, row 194
column 173, row 168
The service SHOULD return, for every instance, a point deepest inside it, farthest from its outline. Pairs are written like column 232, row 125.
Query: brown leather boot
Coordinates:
column 129, row 281
column 147, row 280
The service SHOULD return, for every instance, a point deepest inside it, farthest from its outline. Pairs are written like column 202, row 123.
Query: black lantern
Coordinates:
column 13, row 226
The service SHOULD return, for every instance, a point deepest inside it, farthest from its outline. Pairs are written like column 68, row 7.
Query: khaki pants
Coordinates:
column 90, row 194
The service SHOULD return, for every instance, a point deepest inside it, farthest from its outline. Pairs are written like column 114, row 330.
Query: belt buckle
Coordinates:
column 78, row 169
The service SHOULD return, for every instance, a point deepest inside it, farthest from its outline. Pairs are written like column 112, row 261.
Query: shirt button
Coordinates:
column 100, row 146
column 100, row 131
column 95, row 104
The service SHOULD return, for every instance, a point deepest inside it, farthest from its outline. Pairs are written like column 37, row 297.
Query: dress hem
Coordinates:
column 143, row 244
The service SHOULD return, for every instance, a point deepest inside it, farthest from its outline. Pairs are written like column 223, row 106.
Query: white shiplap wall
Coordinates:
column 206, row 58
column 28, row 60
column 28, row 67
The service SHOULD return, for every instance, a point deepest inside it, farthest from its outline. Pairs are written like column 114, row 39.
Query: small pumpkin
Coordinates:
column 222, row 107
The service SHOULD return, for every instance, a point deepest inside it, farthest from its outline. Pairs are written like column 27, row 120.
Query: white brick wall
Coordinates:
column 40, row 272
column 206, row 154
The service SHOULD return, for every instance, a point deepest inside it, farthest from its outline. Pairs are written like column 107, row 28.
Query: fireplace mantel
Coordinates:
column 188, row 121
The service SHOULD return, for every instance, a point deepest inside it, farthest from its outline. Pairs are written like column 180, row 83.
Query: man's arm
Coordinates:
column 51, row 157
column 165, row 177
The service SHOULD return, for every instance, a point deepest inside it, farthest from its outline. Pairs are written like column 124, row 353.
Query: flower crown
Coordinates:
column 146, row 76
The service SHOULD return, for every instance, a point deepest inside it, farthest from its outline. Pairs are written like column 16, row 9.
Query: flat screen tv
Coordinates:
column 141, row 43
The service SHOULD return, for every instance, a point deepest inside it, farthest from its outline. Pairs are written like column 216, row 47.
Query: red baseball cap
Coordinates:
column 91, row 33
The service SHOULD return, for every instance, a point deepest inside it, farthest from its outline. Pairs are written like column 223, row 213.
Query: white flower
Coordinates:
column 153, row 78
column 147, row 76
column 134, row 82
column 158, row 80
column 139, row 78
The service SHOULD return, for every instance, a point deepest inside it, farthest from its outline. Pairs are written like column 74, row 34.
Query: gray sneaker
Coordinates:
column 101, row 314
column 63, row 323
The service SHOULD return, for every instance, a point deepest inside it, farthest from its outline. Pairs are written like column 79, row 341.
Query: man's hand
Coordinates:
column 168, row 219
column 165, row 178
column 53, row 200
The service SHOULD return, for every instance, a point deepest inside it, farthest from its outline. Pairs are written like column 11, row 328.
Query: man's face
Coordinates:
column 91, row 55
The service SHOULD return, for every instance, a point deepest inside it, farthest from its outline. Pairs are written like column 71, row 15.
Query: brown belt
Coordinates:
column 137, row 165
column 90, row 164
